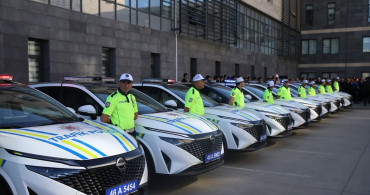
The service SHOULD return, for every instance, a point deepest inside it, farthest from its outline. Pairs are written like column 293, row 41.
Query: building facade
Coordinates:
column 44, row 40
column 335, row 38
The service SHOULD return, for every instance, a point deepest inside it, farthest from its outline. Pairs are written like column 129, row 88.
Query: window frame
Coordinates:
column 309, row 18
column 363, row 44
column 330, row 46
column 308, row 47
column 331, row 21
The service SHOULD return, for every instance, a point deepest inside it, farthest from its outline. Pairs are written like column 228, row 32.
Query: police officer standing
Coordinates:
column 236, row 94
column 267, row 96
column 311, row 90
column 120, row 107
column 193, row 100
column 302, row 89
column 328, row 88
column 284, row 91
column 321, row 87
column 336, row 84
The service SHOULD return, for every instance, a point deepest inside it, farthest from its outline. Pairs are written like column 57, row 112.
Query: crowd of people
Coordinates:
column 359, row 88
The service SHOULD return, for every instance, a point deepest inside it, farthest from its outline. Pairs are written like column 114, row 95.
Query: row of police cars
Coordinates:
column 52, row 140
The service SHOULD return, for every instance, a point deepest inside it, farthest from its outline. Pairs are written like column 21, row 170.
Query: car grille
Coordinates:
column 318, row 110
column 97, row 180
column 305, row 114
column 337, row 103
column 285, row 121
column 327, row 106
column 203, row 145
column 257, row 131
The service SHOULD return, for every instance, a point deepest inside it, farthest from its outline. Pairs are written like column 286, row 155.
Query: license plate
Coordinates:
column 290, row 127
column 123, row 189
column 263, row 137
column 212, row 156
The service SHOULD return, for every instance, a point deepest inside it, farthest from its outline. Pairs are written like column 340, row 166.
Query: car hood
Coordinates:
column 177, row 122
column 306, row 102
column 291, row 104
column 231, row 112
column 75, row 141
column 266, row 107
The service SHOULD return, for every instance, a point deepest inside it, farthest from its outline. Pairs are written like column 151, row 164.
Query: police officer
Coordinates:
column 120, row 107
column 321, row 87
column 236, row 94
column 267, row 96
column 311, row 90
column 193, row 100
column 336, row 84
column 284, row 91
column 302, row 89
column 328, row 88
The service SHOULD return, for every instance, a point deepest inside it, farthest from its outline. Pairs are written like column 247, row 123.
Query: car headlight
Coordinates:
column 274, row 117
column 242, row 126
column 175, row 141
column 53, row 173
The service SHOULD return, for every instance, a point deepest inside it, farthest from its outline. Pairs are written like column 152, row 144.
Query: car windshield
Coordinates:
column 255, row 91
column 181, row 90
column 145, row 104
column 25, row 107
column 293, row 91
column 225, row 91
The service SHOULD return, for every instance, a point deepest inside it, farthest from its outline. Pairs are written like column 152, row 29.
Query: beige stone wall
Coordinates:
column 272, row 8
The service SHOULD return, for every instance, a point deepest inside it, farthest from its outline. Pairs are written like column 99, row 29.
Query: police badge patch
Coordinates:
column 191, row 99
column 107, row 104
column 233, row 94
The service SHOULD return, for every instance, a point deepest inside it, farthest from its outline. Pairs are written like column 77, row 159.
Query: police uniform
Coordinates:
column 121, row 108
column 267, row 96
column 302, row 92
column 311, row 91
column 329, row 89
column 321, row 89
column 336, row 85
column 238, row 96
column 284, row 93
column 194, row 101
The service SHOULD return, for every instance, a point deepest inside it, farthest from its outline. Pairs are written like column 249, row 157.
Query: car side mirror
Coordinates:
column 170, row 104
column 87, row 110
column 249, row 97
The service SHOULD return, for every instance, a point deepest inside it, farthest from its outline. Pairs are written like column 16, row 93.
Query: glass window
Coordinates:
column 309, row 15
column 107, row 9
column 331, row 13
column 143, row 19
column 365, row 74
column 155, row 22
column 155, row 7
column 304, row 47
column 331, row 46
column 368, row 19
column 166, row 9
column 123, row 13
column 69, row 95
column 143, row 5
column 34, row 60
column 134, row 3
column 366, row 44
column 76, row 5
column 90, row 7
column 124, row 2
column 61, row 3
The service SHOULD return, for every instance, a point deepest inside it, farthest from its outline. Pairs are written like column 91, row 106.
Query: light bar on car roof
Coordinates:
column 230, row 81
column 6, row 77
column 155, row 80
column 82, row 79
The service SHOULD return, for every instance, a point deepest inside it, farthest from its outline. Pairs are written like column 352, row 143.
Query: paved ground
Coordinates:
column 328, row 157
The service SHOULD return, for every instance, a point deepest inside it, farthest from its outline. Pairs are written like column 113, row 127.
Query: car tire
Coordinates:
column 4, row 187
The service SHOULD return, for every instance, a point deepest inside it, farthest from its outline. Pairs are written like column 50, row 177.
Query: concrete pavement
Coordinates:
column 328, row 157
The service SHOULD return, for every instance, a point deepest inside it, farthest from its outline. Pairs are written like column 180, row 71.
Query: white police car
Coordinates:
column 278, row 119
column 46, row 149
column 242, row 129
column 174, row 142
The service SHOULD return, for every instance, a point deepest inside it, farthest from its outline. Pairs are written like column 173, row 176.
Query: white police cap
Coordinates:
column 270, row 84
column 328, row 81
column 323, row 80
column 312, row 82
column 285, row 80
column 198, row 77
column 126, row 77
column 305, row 81
column 240, row 79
